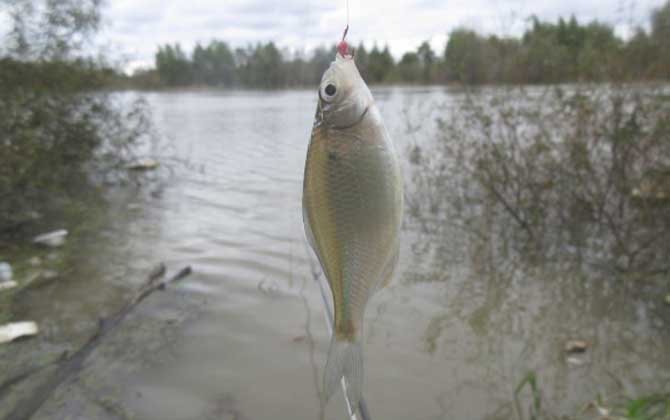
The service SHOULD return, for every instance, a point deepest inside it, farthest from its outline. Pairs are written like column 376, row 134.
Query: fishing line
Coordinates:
column 346, row 28
column 347, row 15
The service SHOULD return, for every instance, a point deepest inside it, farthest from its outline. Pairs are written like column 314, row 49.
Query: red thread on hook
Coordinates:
column 343, row 47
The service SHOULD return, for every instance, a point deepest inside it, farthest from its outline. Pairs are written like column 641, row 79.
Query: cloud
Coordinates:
column 136, row 27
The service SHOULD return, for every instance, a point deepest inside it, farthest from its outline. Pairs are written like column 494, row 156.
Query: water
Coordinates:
column 245, row 337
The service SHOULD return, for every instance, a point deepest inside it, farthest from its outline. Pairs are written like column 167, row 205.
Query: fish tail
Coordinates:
column 345, row 359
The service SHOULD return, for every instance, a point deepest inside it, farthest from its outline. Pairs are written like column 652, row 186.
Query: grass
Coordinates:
column 529, row 381
column 649, row 407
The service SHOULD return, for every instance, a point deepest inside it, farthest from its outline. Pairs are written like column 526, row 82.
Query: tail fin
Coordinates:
column 345, row 359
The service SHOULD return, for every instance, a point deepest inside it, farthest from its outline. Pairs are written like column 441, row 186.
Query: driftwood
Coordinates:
column 68, row 365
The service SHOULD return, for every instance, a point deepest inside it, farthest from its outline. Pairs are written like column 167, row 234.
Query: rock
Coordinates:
column 52, row 239
column 11, row 332
column 143, row 165
column 6, row 285
column 575, row 346
column 575, row 361
column 5, row 272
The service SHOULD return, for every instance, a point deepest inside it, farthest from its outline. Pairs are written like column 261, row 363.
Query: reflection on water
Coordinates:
column 245, row 337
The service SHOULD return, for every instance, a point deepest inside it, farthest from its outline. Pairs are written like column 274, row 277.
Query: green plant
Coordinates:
column 576, row 173
column 655, row 407
column 535, row 408
column 60, row 130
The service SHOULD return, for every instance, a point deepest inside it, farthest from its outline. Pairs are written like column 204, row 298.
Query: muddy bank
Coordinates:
column 67, row 288
column 82, row 383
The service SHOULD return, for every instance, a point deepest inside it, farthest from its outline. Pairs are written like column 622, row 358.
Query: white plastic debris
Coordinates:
column 11, row 332
column 5, row 272
column 6, row 285
column 52, row 239
column 143, row 165
column 603, row 411
column 575, row 361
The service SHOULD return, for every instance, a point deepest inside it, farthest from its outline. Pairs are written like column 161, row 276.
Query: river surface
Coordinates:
column 244, row 337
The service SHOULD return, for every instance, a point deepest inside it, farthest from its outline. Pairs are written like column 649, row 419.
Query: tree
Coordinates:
column 426, row 57
column 660, row 36
column 213, row 65
column 201, row 66
column 362, row 61
column 380, row 64
column 320, row 61
column 51, row 29
column 596, row 57
column 463, row 55
column 502, row 56
column 409, row 68
column 264, row 67
column 640, row 56
column 545, row 59
column 60, row 131
column 174, row 68
column 547, row 52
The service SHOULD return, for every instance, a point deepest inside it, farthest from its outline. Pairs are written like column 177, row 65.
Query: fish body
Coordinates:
column 352, row 211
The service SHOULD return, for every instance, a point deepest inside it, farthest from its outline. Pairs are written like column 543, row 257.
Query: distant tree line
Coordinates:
column 565, row 51
column 259, row 66
column 561, row 52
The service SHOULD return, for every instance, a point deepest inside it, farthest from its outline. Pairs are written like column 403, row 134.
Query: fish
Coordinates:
column 352, row 211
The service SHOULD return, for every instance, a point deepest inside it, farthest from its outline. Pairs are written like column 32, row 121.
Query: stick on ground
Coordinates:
column 69, row 365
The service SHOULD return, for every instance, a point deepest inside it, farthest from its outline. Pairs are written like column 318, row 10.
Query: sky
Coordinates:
column 134, row 28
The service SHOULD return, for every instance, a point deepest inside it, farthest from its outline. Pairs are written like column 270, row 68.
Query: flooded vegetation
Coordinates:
column 570, row 173
column 563, row 187
column 533, row 280
column 62, row 134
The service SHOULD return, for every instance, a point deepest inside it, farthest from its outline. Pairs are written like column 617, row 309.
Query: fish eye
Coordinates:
column 328, row 92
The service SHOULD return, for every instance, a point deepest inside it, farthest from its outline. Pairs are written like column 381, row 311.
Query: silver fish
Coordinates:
column 352, row 211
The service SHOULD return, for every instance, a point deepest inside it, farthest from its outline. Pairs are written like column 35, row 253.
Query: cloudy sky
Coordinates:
column 134, row 28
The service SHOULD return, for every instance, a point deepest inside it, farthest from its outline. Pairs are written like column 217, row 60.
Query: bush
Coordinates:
column 576, row 173
column 54, row 135
column 59, row 129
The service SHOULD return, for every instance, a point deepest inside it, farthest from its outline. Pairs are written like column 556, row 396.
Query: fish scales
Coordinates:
column 349, row 198
column 352, row 207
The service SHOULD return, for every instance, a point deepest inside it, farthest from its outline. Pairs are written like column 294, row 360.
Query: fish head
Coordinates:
column 343, row 95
